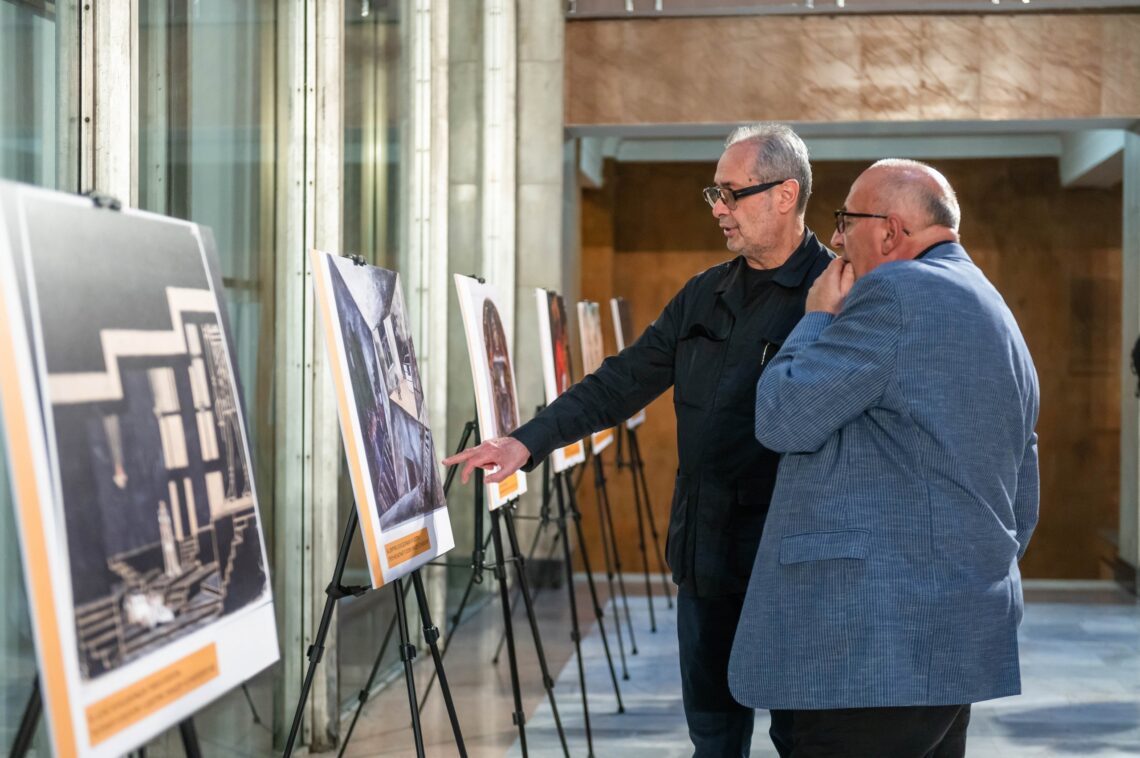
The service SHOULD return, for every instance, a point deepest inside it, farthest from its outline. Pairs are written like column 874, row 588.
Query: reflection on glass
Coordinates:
column 206, row 153
column 36, row 110
column 27, row 94
column 206, row 150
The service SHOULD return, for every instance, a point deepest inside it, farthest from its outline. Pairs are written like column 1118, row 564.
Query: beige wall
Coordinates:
column 1055, row 254
column 852, row 68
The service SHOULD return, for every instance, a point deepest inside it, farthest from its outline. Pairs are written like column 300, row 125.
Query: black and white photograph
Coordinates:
column 154, row 535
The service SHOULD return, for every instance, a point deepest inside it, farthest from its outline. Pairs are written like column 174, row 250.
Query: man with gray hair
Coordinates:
column 711, row 342
column 886, row 593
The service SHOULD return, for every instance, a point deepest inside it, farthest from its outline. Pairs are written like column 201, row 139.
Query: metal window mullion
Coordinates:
column 293, row 581
column 106, row 75
column 1129, row 526
column 324, row 166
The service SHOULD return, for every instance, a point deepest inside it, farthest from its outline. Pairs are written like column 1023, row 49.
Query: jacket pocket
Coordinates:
column 675, row 533
column 825, row 546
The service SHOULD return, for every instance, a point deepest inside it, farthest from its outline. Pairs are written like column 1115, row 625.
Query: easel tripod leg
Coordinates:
column 519, row 715
column 366, row 690
column 641, row 531
column 608, row 545
column 575, row 633
column 547, row 680
column 604, row 498
column 189, row 739
column 431, row 635
column 317, row 649
column 28, row 722
column 598, row 614
column 407, row 655
column 635, row 451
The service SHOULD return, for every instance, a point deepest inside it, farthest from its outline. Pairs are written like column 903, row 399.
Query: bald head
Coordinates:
column 915, row 191
column 895, row 210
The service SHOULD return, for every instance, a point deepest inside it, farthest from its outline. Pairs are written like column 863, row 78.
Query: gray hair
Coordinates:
column 780, row 154
column 922, row 188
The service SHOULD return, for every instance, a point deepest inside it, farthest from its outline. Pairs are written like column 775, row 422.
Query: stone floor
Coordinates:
column 1080, row 665
column 1081, row 688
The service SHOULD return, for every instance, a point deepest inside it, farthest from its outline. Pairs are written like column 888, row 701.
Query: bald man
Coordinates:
column 886, row 595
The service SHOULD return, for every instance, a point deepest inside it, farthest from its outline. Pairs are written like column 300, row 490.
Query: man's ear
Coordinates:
column 893, row 235
column 787, row 195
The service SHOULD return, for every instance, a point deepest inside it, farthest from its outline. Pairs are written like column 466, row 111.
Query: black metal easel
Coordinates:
column 478, row 565
column 567, row 510
column 641, row 501
column 335, row 591
column 610, row 545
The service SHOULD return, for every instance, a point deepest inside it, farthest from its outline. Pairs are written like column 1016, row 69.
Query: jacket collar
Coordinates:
column 946, row 249
column 789, row 275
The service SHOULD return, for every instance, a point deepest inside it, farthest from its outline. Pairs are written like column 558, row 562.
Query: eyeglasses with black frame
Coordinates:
column 730, row 196
column 841, row 217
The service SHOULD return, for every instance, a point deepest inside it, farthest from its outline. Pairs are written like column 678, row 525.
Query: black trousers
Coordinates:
column 719, row 726
column 914, row 732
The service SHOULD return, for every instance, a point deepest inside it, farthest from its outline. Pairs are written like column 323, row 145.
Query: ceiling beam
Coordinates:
column 1092, row 158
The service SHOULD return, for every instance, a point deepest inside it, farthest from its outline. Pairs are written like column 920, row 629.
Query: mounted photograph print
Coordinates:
column 496, row 401
column 593, row 353
column 624, row 336
column 557, row 369
column 383, row 418
column 129, row 456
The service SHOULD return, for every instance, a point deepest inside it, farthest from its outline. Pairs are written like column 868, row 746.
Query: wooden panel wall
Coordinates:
column 1054, row 254
column 852, row 68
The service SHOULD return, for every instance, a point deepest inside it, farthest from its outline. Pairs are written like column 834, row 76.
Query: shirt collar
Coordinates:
column 791, row 274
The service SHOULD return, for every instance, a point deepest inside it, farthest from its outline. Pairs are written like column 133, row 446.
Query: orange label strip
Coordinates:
column 572, row 451
column 509, row 486
column 132, row 704
column 407, row 547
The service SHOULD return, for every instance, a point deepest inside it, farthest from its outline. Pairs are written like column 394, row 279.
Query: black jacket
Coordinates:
column 711, row 343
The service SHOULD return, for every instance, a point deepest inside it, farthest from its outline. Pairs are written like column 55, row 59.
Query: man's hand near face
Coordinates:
column 831, row 288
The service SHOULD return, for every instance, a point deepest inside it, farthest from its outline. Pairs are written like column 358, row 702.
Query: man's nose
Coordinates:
column 836, row 240
column 719, row 209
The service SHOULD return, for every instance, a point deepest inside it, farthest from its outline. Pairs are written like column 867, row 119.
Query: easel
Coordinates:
column 30, row 720
column 641, row 499
column 478, row 564
column 568, row 509
column 335, row 591
column 610, row 545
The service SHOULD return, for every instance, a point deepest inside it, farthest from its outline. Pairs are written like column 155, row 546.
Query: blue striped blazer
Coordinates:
column 887, row 573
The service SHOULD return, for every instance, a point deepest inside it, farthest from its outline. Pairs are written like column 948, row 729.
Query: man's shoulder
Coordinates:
column 712, row 276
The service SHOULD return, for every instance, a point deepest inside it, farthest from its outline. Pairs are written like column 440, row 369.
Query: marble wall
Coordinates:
column 852, row 68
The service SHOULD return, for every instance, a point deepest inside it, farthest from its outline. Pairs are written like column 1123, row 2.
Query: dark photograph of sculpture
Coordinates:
column 559, row 342
column 387, row 394
column 499, row 366
column 162, row 529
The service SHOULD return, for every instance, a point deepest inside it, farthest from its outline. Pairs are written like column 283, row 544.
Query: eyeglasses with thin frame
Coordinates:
column 841, row 217
column 730, row 196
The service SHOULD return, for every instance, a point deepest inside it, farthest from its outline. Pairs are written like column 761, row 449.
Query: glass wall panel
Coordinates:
column 37, row 108
column 206, row 153
column 372, row 110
